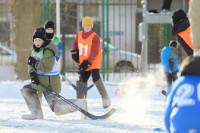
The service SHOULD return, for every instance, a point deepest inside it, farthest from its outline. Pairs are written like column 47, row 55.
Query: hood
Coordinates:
column 180, row 26
column 49, row 45
column 52, row 47
column 190, row 65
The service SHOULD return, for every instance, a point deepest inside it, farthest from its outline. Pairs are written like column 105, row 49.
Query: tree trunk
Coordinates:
column 139, row 4
column 27, row 15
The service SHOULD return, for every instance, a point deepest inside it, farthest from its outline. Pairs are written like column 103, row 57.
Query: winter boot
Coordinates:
column 81, row 95
column 33, row 103
column 40, row 96
column 104, row 95
column 61, row 107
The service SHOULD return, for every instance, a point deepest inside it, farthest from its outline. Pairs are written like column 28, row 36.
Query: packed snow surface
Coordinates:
column 139, row 110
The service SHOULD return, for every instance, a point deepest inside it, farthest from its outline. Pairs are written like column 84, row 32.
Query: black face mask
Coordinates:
column 49, row 35
column 35, row 48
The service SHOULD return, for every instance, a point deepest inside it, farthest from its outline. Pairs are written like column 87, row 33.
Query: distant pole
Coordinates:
column 144, row 52
column 58, row 18
column 103, row 40
column 165, row 34
column 107, row 52
column 59, row 36
column 48, row 10
column 43, row 12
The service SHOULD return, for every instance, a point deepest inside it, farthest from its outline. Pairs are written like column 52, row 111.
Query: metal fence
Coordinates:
column 159, row 36
column 124, row 18
column 157, row 31
column 123, row 46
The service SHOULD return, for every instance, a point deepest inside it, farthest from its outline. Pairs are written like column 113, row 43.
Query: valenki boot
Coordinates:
column 81, row 95
column 33, row 103
column 61, row 107
column 104, row 95
column 40, row 96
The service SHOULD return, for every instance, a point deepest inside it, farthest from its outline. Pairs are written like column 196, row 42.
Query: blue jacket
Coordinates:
column 182, row 112
column 56, row 41
column 165, row 56
column 59, row 51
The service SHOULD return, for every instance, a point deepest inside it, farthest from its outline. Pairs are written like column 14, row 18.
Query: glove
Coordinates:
column 75, row 55
column 84, row 65
column 34, row 78
column 31, row 61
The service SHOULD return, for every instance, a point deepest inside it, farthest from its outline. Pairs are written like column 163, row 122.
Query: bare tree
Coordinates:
column 68, row 21
column 27, row 14
column 68, row 18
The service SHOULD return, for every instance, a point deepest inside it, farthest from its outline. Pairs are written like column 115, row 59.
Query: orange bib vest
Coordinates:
column 85, row 46
column 187, row 37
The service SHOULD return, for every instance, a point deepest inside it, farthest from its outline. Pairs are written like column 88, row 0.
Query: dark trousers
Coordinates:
column 84, row 76
column 166, row 4
column 171, row 77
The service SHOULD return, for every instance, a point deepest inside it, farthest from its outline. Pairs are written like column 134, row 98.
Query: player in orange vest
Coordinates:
column 182, row 29
column 182, row 103
column 87, row 52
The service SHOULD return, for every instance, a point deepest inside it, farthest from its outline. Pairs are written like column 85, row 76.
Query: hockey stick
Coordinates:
column 89, row 115
column 77, row 89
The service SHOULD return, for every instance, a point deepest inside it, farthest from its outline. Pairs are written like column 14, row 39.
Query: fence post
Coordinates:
column 43, row 12
column 48, row 11
column 103, row 40
column 107, row 51
column 63, row 54
column 165, row 34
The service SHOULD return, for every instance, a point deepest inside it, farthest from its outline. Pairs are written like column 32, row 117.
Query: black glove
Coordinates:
column 84, row 65
column 34, row 78
column 31, row 61
column 75, row 55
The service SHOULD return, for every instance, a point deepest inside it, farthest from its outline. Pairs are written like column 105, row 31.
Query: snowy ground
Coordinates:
column 140, row 110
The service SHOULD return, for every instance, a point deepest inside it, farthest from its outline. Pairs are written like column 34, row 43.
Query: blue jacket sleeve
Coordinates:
column 59, row 51
column 168, row 109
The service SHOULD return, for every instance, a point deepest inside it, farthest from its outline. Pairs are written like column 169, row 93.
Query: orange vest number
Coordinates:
column 83, row 48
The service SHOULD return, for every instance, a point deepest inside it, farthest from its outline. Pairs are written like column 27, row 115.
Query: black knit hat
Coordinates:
column 49, row 24
column 173, row 44
column 39, row 33
column 178, row 15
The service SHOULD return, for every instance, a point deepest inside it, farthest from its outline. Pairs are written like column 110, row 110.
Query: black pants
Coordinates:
column 171, row 77
column 84, row 76
column 166, row 4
